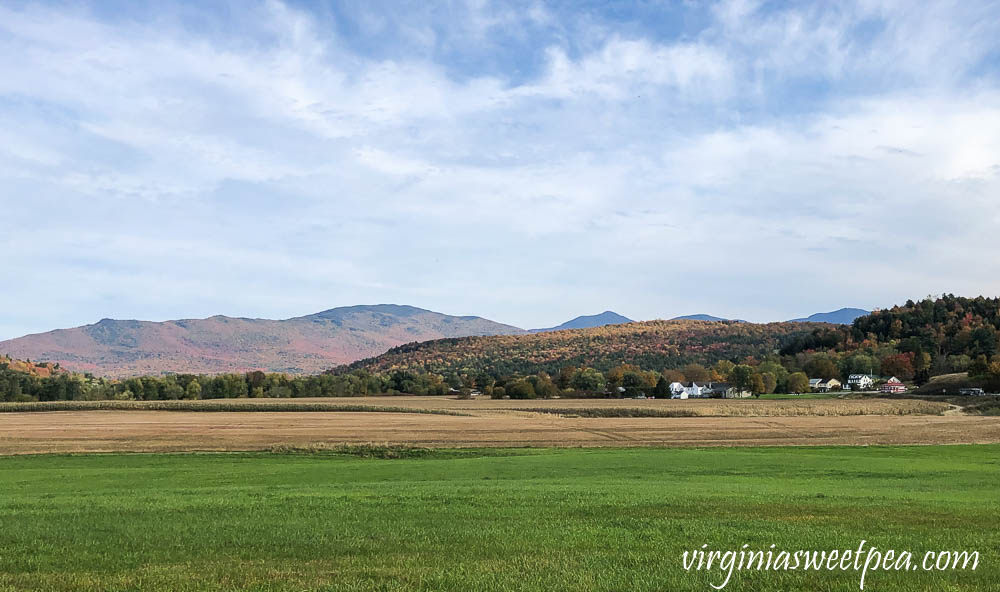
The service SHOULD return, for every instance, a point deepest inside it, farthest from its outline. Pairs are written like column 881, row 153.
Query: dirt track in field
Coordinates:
column 162, row 431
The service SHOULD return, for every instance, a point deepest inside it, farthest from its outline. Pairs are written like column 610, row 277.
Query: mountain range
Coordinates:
column 843, row 316
column 307, row 344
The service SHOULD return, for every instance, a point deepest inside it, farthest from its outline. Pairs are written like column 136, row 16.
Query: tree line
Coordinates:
column 17, row 385
column 625, row 379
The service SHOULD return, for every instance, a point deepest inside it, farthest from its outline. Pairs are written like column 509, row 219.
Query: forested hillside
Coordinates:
column 912, row 342
column 916, row 340
column 654, row 345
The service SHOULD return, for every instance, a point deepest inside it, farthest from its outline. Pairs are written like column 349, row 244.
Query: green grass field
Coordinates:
column 545, row 520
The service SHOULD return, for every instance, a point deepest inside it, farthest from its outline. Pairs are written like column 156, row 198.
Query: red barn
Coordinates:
column 893, row 385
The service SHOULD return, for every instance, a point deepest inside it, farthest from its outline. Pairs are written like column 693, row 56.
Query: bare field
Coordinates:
column 693, row 407
column 450, row 422
column 158, row 431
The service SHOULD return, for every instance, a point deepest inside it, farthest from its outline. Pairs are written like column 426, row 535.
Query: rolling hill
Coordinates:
column 649, row 344
column 588, row 321
column 307, row 344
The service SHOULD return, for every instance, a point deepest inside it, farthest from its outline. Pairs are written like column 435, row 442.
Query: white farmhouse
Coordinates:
column 861, row 382
column 693, row 389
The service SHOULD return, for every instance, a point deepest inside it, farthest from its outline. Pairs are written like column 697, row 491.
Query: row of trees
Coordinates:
column 782, row 374
column 16, row 385
column 772, row 375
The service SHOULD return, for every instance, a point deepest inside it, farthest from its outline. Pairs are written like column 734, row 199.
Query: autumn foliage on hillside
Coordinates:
column 650, row 345
column 912, row 342
column 39, row 369
column 918, row 339
column 943, row 327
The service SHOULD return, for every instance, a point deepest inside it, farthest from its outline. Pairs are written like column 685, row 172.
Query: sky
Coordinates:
column 527, row 162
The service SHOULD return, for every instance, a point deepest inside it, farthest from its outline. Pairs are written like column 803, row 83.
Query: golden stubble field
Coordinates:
column 488, row 423
column 698, row 407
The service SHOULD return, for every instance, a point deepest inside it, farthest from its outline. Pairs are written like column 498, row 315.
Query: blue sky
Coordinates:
column 527, row 162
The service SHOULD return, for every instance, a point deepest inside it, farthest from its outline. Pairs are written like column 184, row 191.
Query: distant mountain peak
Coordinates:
column 843, row 316
column 698, row 317
column 608, row 317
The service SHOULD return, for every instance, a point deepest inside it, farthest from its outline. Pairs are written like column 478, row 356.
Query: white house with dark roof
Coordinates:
column 861, row 382
column 693, row 390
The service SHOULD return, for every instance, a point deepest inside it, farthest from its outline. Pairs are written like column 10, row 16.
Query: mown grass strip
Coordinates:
column 211, row 406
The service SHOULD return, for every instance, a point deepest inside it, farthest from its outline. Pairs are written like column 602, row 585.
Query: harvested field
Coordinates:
column 157, row 431
column 137, row 426
column 663, row 407
column 324, row 405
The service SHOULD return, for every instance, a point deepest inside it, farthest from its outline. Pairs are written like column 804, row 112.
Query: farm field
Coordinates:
column 502, row 520
column 803, row 405
column 167, row 431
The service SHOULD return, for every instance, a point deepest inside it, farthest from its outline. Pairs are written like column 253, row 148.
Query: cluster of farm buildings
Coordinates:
column 725, row 390
column 705, row 390
column 858, row 382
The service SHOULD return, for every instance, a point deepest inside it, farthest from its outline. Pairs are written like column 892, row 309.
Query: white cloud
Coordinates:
column 621, row 68
column 762, row 158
